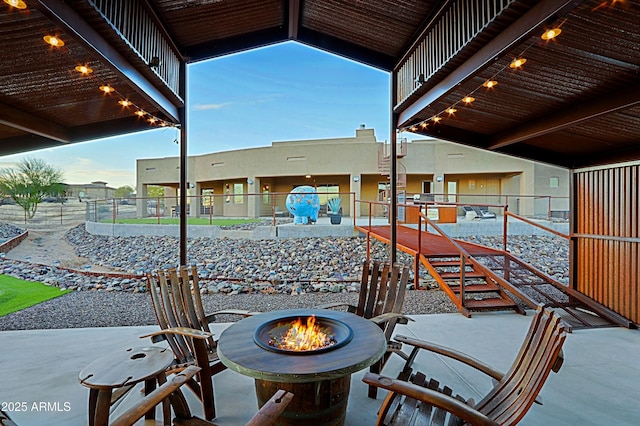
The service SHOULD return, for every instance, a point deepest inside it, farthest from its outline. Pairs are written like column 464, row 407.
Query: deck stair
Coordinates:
column 493, row 278
column 479, row 292
column 577, row 310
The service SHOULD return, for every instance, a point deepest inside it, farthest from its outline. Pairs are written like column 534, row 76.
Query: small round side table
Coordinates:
column 118, row 372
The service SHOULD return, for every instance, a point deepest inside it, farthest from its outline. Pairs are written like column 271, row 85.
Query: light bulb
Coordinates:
column 53, row 41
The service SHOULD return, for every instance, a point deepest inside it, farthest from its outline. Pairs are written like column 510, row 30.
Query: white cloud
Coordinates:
column 206, row 107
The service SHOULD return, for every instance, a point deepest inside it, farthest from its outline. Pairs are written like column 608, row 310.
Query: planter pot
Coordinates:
column 336, row 219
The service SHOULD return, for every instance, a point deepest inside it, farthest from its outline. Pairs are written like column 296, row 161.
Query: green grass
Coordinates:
column 190, row 221
column 16, row 294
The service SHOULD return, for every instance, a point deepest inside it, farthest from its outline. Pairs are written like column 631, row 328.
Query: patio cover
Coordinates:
column 575, row 102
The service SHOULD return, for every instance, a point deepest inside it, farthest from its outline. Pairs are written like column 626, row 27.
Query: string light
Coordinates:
column 490, row 83
column 83, row 69
column 86, row 70
column 53, row 41
column 18, row 4
column 451, row 110
column 517, row 63
column 551, row 34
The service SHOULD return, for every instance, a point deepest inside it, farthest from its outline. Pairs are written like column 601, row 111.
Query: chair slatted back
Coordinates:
column 540, row 353
column 383, row 288
column 190, row 286
column 162, row 307
column 398, row 409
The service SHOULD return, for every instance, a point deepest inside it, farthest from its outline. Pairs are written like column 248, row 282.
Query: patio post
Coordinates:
column 182, row 112
column 393, row 208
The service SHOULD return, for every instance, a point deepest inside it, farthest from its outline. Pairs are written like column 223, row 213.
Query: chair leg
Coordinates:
column 206, row 380
column 373, row 390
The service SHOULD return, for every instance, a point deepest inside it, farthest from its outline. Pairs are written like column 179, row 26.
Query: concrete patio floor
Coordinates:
column 599, row 383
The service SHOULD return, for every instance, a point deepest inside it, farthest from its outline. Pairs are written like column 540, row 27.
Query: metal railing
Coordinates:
column 207, row 209
column 47, row 214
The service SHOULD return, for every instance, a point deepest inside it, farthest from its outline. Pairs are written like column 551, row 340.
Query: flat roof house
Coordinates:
column 357, row 165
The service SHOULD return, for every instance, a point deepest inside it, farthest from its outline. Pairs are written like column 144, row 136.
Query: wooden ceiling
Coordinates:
column 574, row 103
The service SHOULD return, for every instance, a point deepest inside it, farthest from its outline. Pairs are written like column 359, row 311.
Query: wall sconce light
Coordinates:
column 356, row 178
column 249, row 181
column 439, row 178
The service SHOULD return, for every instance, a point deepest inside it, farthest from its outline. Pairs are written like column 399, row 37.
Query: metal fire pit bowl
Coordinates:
column 340, row 332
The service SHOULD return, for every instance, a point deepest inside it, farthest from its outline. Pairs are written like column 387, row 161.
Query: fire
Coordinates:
column 303, row 337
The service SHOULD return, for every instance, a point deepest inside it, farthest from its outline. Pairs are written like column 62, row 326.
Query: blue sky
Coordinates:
column 283, row 92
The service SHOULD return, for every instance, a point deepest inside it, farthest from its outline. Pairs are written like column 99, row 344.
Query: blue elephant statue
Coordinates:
column 303, row 203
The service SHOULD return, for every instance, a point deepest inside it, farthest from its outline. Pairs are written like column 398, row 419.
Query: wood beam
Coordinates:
column 625, row 98
column 225, row 46
column 34, row 140
column 107, row 129
column 347, row 49
column 64, row 15
column 538, row 15
column 22, row 144
column 294, row 19
column 21, row 120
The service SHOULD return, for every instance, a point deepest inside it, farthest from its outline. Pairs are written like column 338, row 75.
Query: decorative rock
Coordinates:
column 308, row 265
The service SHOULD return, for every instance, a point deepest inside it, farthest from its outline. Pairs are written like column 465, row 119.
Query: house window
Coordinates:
column 327, row 191
column 238, row 190
column 554, row 182
column 266, row 199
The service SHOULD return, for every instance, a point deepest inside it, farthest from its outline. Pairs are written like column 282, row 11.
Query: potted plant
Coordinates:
column 333, row 206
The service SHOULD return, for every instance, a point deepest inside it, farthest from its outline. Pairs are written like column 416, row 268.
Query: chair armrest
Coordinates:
column 183, row 331
column 147, row 403
column 242, row 312
column 5, row 420
column 451, row 353
column 272, row 409
column 429, row 396
column 350, row 308
column 402, row 319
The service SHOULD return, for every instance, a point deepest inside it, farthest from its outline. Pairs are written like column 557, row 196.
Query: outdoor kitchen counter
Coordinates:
column 239, row 352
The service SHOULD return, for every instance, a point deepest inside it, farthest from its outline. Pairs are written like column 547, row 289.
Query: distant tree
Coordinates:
column 31, row 181
column 124, row 191
column 155, row 191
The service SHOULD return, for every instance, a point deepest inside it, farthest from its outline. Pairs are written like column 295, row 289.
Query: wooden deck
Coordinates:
column 498, row 277
column 430, row 244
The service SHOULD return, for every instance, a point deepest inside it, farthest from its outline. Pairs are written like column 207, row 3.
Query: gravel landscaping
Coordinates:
column 257, row 275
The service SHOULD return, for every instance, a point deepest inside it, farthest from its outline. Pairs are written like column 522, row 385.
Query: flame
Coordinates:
column 304, row 337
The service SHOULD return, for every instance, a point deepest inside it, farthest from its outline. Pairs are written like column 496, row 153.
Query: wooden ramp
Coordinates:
column 489, row 278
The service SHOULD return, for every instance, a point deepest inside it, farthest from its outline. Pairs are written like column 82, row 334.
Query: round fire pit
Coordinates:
column 320, row 379
column 283, row 335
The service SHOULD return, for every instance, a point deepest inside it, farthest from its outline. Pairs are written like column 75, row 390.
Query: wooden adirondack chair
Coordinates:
column 382, row 291
column 266, row 416
column 505, row 404
column 176, row 300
